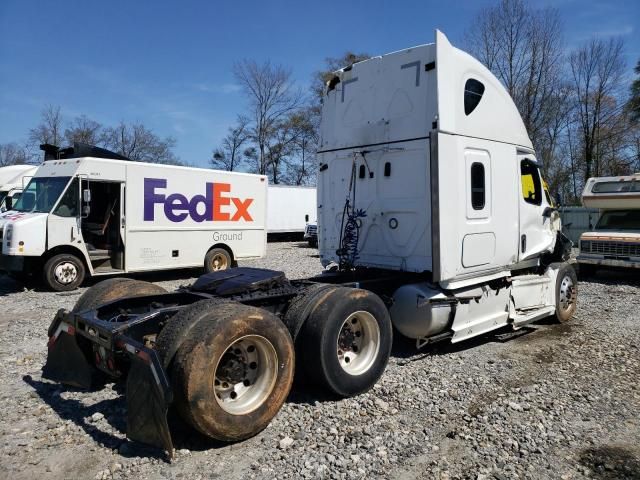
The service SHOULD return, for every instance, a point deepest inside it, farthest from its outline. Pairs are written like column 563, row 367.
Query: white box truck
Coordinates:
column 432, row 219
column 615, row 239
column 84, row 215
column 290, row 208
column 13, row 178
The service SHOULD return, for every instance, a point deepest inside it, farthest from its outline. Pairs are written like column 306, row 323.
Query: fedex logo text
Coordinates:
column 214, row 205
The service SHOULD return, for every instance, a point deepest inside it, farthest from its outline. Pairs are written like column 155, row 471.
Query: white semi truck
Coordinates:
column 614, row 242
column 87, row 211
column 13, row 178
column 432, row 218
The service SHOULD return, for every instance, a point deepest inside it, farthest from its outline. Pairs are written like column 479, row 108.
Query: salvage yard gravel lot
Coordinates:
column 547, row 401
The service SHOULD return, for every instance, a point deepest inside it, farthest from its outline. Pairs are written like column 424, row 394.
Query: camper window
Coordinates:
column 473, row 91
column 619, row 220
column 477, row 186
column 531, row 185
column 616, row 187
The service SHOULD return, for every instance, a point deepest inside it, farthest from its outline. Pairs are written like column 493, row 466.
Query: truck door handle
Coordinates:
column 523, row 243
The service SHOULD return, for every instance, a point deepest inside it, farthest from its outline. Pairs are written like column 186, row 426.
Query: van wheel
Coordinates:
column 63, row 272
column 345, row 342
column 566, row 293
column 115, row 289
column 233, row 372
column 217, row 259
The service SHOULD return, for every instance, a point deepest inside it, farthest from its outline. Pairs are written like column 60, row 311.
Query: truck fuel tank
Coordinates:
column 419, row 310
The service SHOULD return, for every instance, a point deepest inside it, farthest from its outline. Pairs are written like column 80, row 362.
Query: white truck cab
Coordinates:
column 88, row 211
column 13, row 179
column 615, row 239
column 426, row 168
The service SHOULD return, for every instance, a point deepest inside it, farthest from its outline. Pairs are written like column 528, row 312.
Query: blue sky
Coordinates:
column 168, row 64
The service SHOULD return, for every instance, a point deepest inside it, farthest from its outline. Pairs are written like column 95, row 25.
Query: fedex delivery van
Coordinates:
column 88, row 211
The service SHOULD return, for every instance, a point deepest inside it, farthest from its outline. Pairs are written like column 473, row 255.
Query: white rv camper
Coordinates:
column 13, row 178
column 432, row 218
column 615, row 239
column 103, row 216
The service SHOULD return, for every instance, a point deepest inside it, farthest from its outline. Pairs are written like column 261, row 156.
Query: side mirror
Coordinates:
column 306, row 218
column 86, row 195
column 548, row 211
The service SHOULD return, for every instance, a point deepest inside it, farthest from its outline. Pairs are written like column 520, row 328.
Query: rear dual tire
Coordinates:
column 233, row 371
column 115, row 289
column 345, row 341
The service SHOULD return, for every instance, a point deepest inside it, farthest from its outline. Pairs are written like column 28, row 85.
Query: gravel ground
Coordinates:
column 547, row 401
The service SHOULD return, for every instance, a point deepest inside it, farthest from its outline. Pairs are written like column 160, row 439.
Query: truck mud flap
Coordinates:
column 148, row 399
column 66, row 362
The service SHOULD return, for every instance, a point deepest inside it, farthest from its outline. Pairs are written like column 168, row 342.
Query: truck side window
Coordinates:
column 477, row 186
column 531, row 185
column 473, row 90
column 68, row 206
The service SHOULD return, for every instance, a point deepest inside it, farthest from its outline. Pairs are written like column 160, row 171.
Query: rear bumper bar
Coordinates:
column 72, row 357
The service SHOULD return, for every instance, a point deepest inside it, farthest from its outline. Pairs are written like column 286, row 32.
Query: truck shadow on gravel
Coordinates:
column 611, row 462
column 114, row 411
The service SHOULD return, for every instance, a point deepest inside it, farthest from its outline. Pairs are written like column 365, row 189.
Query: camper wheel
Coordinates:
column 63, row 272
column 233, row 372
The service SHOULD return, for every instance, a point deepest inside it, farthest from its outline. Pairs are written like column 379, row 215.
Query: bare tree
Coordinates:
column 272, row 96
column 331, row 64
column 50, row 128
column 84, row 130
column 304, row 135
column 523, row 48
column 634, row 101
column 597, row 70
column 13, row 154
column 229, row 155
column 138, row 143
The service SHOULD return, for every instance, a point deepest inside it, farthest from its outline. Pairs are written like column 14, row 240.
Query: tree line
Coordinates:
column 133, row 140
column 278, row 134
column 580, row 108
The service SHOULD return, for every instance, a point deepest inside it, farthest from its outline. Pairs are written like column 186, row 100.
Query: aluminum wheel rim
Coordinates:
column 246, row 374
column 358, row 343
column 65, row 273
column 219, row 262
column 567, row 293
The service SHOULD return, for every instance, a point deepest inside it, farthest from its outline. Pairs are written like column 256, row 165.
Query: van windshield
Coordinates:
column 41, row 194
column 619, row 220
